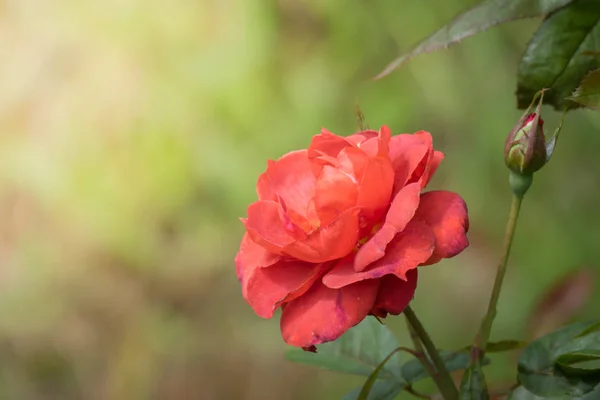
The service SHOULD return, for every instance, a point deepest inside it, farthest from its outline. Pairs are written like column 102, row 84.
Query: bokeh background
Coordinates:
column 131, row 136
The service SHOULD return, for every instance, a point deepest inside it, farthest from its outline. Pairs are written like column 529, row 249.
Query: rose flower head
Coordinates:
column 340, row 228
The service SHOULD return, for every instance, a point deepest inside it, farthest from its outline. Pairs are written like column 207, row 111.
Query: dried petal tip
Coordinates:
column 525, row 149
column 311, row 349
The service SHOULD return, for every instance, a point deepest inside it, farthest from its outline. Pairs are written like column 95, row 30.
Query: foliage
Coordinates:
column 588, row 93
column 132, row 134
column 564, row 49
column 560, row 54
column 563, row 363
column 562, row 64
column 364, row 350
column 480, row 17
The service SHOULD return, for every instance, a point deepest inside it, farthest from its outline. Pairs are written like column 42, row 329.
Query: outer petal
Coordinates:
column 266, row 227
column 407, row 153
column 323, row 315
column 446, row 214
column 411, row 247
column 252, row 256
column 399, row 214
column 328, row 242
column 291, row 179
column 394, row 294
column 267, row 288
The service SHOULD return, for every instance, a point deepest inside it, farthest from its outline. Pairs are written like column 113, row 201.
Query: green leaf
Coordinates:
column 484, row 15
column 588, row 93
column 590, row 329
column 560, row 54
column 501, row 346
column 366, row 389
column 473, row 386
column 413, row 371
column 580, row 363
column 504, row 345
column 381, row 390
column 359, row 351
column 540, row 369
column 521, row 393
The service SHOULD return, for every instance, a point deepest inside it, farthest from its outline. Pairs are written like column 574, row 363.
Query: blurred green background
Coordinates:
column 132, row 134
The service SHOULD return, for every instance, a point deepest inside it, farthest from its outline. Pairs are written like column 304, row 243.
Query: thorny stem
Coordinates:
column 486, row 326
column 444, row 381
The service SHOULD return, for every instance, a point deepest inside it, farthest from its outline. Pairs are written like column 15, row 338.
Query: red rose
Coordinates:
column 339, row 229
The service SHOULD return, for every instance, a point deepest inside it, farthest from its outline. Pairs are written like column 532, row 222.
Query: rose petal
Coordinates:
column 265, row 226
column 323, row 315
column 374, row 177
column 291, row 179
column 330, row 144
column 436, row 159
column 325, row 148
column 446, row 214
column 298, row 225
column 399, row 214
column 375, row 190
column 327, row 143
column 251, row 256
column 426, row 168
column 360, row 137
column 267, row 288
column 378, row 145
column 394, row 294
column 407, row 152
column 411, row 247
column 336, row 192
column 352, row 161
column 328, row 242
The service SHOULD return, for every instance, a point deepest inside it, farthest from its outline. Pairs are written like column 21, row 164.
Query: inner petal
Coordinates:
column 401, row 211
column 336, row 192
column 290, row 178
column 409, row 248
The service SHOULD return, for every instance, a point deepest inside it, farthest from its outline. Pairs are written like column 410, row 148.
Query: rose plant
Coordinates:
column 340, row 228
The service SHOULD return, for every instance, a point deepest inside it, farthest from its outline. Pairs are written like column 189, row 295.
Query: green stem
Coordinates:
column 444, row 382
column 421, row 351
column 486, row 326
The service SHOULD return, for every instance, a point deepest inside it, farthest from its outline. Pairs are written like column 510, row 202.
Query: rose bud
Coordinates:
column 525, row 149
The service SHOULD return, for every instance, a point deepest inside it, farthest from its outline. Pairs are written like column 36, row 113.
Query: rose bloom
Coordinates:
column 340, row 228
